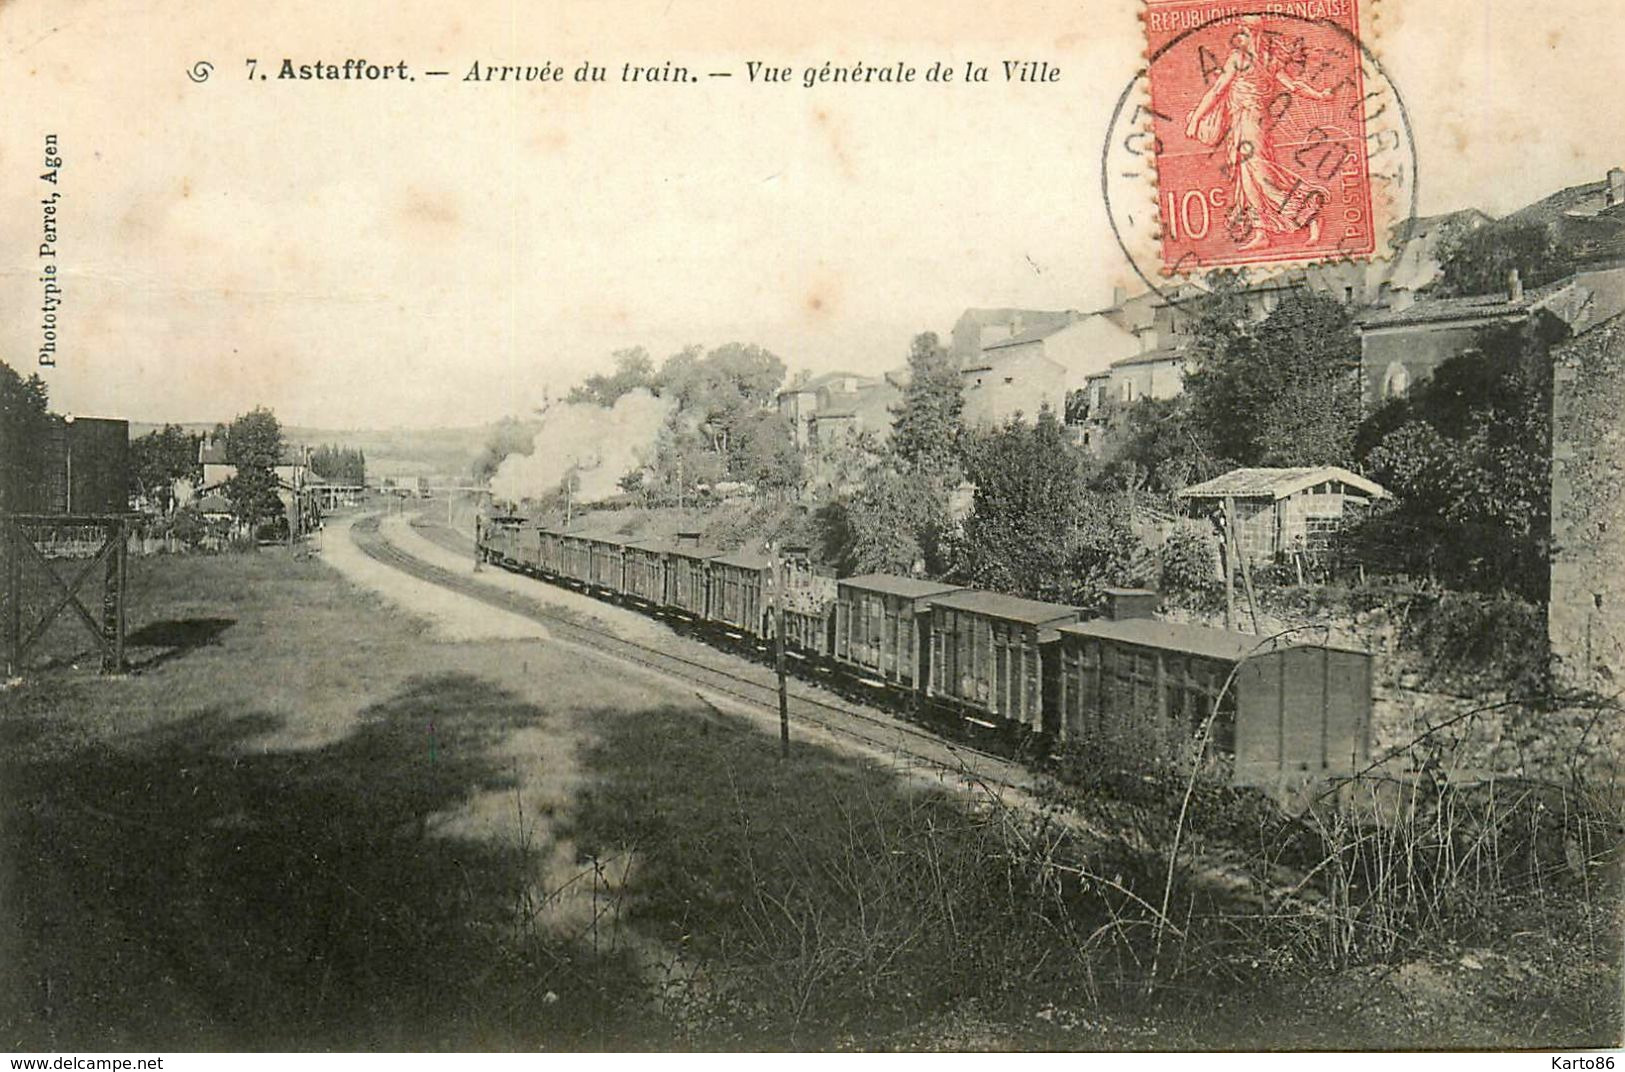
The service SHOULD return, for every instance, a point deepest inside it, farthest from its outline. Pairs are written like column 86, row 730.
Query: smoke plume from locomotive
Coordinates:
column 599, row 445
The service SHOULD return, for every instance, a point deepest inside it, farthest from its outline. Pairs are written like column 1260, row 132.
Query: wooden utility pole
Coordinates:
column 1227, row 551
column 777, row 580
column 1246, row 567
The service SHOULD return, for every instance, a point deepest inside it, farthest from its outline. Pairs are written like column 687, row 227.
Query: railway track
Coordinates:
column 754, row 686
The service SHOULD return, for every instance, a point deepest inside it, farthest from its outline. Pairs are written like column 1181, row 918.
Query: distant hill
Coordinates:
column 390, row 451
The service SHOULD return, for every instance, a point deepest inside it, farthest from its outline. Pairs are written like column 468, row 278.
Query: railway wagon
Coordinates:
column 882, row 626
column 741, row 591
column 646, row 571
column 575, row 557
column 550, row 552
column 497, row 538
column 1143, row 688
column 987, row 655
column 809, row 610
column 607, row 566
column 688, row 576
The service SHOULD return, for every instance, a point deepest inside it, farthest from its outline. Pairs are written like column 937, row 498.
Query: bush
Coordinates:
column 1188, row 563
column 1468, row 640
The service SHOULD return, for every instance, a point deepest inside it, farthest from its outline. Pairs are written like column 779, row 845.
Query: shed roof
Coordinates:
column 891, row 585
column 1010, row 608
column 1277, row 483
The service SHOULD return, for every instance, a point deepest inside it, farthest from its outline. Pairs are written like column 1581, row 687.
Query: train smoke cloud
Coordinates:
column 599, row 445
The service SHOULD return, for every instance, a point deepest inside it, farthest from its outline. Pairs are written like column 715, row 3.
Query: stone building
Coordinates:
column 1586, row 611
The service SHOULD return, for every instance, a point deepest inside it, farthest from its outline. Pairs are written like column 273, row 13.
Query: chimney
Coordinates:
column 1616, row 186
column 1514, row 287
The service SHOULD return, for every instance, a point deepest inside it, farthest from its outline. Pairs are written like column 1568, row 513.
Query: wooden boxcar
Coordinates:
column 987, row 654
column 742, row 598
column 575, row 557
column 688, row 572
column 607, row 567
column 1303, row 710
column 875, row 626
column 549, row 552
column 809, row 600
column 646, row 571
column 1142, row 689
column 741, row 591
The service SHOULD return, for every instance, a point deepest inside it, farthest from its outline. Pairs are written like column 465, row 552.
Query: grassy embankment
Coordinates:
column 304, row 822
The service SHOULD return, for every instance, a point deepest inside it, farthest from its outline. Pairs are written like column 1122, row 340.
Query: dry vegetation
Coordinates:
column 304, row 823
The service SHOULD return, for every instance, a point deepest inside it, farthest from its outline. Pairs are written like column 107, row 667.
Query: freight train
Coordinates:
column 1123, row 680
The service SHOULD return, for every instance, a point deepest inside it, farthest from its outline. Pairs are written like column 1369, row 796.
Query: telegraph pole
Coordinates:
column 777, row 580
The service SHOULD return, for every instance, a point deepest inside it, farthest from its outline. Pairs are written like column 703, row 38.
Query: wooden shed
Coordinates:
column 987, row 653
column 875, row 625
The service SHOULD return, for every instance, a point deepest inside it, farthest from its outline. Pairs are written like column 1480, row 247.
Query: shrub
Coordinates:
column 1189, row 563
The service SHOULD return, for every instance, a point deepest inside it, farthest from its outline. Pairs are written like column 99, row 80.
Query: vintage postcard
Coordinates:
column 716, row 525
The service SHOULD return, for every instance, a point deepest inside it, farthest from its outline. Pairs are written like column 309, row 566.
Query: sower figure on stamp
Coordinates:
column 1268, row 197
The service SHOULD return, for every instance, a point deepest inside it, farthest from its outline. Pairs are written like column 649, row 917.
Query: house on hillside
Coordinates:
column 828, row 408
column 1587, row 220
column 1041, row 367
column 977, row 329
column 1401, row 347
column 1282, row 511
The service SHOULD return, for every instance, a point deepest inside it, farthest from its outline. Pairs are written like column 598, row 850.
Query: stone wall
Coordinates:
column 1586, row 619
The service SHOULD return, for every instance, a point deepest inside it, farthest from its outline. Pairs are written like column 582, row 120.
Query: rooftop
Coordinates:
column 1175, row 636
column 1153, row 357
column 1277, row 483
column 1010, row 608
column 906, row 587
column 1035, row 334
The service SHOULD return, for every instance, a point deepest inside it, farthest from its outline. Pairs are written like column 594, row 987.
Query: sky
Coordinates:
column 358, row 254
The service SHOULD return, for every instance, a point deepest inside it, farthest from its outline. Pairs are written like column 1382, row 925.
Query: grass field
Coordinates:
column 305, row 823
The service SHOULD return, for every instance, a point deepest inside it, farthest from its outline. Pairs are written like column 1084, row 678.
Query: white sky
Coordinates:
column 359, row 254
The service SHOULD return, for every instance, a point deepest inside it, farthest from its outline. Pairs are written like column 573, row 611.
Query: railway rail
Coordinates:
column 753, row 686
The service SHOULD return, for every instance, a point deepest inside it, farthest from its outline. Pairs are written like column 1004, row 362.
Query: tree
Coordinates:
column 343, row 465
column 160, row 459
column 1467, row 455
column 1036, row 529
column 894, row 524
column 1153, row 443
column 925, row 425
column 254, row 446
column 1479, row 261
column 765, row 453
column 633, row 369
column 1284, row 392
column 24, row 421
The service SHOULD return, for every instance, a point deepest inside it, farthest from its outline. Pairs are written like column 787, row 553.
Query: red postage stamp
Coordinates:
column 1258, row 114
